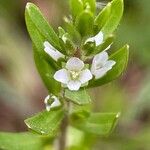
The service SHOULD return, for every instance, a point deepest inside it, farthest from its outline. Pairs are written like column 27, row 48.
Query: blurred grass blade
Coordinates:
column 98, row 123
column 80, row 97
column 109, row 17
column 121, row 59
column 21, row 141
column 46, row 123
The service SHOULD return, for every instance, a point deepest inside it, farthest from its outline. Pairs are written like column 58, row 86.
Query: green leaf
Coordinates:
column 98, row 123
column 104, row 45
column 41, row 25
column 84, row 23
column 103, row 16
column 21, row 141
column 92, row 4
column 72, row 31
column 80, row 97
column 46, row 72
column 46, row 123
column 110, row 16
column 121, row 58
column 45, row 69
column 76, row 7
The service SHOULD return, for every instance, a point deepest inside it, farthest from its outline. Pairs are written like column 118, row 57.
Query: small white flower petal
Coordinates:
column 85, row 76
column 46, row 99
column 109, row 64
column 62, row 76
column 101, row 57
column 98, row 39
column 56, row 102
column 74, row 85
column 48, row 107
column 75, row 64
column 100, row 73
column 52, row 52
column 99, row 61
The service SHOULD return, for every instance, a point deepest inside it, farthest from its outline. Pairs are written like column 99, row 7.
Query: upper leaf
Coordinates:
column 121, row 59
column 109, row 18
column 41, row 25
column 46, row 123
column 80, row 97
column 46, row 69
column 84, row 23
column 72, row 31
column 21, row 141
column 76, row 7
column 92, row 4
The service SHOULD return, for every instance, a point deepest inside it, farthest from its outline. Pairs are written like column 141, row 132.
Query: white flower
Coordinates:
column 74, row 75
column 98, row 39
column 50, row 50
column 51, row 101
column 101, row 65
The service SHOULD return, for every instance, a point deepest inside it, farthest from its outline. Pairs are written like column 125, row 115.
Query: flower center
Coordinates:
column 74, row 75
column 50, row 101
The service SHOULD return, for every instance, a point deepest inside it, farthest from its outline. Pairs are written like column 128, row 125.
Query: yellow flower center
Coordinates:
column 74, row 75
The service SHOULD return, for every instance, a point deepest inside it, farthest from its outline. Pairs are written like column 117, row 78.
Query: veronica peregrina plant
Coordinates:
column 70, row 61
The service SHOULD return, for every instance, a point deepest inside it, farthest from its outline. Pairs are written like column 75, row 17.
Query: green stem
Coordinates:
column 63, row 133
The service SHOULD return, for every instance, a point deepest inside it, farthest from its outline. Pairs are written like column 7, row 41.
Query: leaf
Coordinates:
column 121, row 58
column 46, row 123
column 104, row 45
column 110, row 16
column 84, row 23
column 103, row 16
column 98, row 123
column 75, row 35
column 46, row 72
column 80, row 97
column 45, row 69
column 92, row 4
column 21, row 141
column 76, row 7
column 41, row 25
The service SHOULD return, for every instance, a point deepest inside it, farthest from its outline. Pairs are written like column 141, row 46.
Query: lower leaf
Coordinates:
column 46, row 123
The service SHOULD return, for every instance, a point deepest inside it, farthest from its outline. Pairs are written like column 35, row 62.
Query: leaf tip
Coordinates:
column 28, row 5
column 127, row 46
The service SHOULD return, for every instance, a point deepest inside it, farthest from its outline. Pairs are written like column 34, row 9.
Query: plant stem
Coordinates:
column 63, row 133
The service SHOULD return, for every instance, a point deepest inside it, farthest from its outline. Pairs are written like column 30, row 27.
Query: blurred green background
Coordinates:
column 22, row 91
